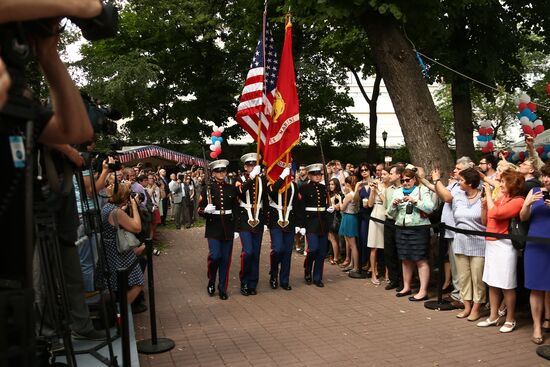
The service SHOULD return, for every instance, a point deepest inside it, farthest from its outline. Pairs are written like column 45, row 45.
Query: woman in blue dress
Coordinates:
column 536, row 208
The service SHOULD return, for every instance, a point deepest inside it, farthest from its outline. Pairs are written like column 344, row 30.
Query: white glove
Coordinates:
column 255, row 172
column 235, row 235
column 303, row 231
column 210, row 208
column 296, row 229
column 285, row 173
column 330, row 209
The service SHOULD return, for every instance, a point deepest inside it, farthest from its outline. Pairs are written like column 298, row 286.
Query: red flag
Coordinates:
column 284, row 130
column 255, row 103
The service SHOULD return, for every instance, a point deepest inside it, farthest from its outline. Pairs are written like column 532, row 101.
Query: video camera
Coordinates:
column 17, row 53
column 102, row 117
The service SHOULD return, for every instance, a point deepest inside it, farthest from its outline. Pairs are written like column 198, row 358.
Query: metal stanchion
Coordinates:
column 154, row 345
column 440, row 304
column 122, row 276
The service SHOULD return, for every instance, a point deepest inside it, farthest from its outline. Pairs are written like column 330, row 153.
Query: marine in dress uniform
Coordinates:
column 250, row 222
column 282, row 224
column 219, row 209
column 312, row 217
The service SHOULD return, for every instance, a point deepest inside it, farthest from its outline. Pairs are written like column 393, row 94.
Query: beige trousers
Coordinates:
column 470, row 274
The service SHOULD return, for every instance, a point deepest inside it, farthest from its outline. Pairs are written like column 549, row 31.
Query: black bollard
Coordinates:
column 440, row 304
column 154, row 345
column 122, row 276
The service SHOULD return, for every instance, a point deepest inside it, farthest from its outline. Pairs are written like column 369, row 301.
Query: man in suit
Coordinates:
column 162, row 174
column 177, row 199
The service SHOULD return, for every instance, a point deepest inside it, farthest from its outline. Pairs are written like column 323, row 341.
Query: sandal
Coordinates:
column 538, row 340
column 345, row 264
column 463, row 315
column 375, row 281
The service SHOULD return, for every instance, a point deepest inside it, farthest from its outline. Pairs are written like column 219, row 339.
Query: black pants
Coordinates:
column 393, row 264
column 164, row 211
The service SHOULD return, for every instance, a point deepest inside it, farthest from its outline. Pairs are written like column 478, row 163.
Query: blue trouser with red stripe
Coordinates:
column 219, row 259
column 281, row 253
column 317, row 247
column 250, row 258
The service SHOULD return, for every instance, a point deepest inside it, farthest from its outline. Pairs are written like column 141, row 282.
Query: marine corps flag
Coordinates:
column 284, row 131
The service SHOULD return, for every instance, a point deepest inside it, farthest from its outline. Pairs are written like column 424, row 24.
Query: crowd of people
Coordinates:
column 378, row 221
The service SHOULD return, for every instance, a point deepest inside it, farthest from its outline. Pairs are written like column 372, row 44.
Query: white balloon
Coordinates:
column 524, row 97
column 217, row 144
column 530, row 123
column 213, row 147
column 214, row 128
column 485, row 123
column 516, row 101
column 482, row 143
column 220, row 129
column 538, row 122
column 524, row 120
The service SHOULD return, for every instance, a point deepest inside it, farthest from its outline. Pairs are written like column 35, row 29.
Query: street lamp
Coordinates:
column 384, row 138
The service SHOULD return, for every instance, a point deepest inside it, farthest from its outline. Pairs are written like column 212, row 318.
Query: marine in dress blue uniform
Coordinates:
column 251, row 222
column 218, row 205
column 282, row 224
column 312, row 217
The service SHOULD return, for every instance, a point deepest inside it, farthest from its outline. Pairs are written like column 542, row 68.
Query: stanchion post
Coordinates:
column 153, row 345
column 440, row 304
column 122, row 276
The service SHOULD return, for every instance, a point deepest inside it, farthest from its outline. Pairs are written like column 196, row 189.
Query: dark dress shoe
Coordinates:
column 223, row 296
column 211, row 289
column 399, row 288
column 252, row 291
column 286, row 287
column 244, row 290
column 307, row 278
column 273, row 283
column 390, row 286
column 356, row 274
column 412, row 299
column 407, row 293
column 319, row 284
column 138, row 308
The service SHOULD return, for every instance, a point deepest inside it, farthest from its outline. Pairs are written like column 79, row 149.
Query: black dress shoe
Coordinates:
column 138, row 308
column 319, row 284
column 307, row 277
column 390, row 286
column 273, row 283
column 407, row 293
column 252, row 291
column 399, row 288
column 211, row 289
column 286, row 287
column 244, row 290
column 223, row 296
column 412, row 299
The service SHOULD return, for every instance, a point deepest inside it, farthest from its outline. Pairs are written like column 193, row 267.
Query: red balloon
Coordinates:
column 521, row 156
column 528, row 130
column 540, row 150
column 548, row 89
column 538, row 129
column 489, row 131
column 522, row 106
column 217, row 133
column 214, row 155
column 482, row 131
column 484, row 150
column 532, row 106
column 490, row 147
column 218, row 151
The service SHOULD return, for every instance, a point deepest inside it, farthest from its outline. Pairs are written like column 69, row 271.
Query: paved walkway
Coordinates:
column 350, row 321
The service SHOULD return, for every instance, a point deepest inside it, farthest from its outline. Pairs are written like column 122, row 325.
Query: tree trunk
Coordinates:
column 412, row 101
column 462, row 112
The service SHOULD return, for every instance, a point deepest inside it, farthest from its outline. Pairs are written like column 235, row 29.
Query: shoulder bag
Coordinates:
column 515, row 227
column 124, row 240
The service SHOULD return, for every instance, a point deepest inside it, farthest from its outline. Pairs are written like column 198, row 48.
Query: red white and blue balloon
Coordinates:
column 216, row 146
column 485, row 137
column 530, row 123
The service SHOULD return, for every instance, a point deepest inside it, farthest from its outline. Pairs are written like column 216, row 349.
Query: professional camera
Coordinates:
column 140, row 196
column 102, row 117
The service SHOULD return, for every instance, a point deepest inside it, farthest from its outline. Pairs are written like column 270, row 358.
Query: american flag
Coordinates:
column 254, row 105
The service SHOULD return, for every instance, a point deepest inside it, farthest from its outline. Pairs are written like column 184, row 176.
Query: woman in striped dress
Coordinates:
column 469, row 250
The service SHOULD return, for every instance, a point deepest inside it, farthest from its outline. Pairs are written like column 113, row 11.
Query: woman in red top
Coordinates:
column 500, row 256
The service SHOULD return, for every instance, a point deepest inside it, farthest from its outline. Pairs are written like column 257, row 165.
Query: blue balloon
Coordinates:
column 532, row 116
column 215, row 139
column 220, row 139
column 482, row 137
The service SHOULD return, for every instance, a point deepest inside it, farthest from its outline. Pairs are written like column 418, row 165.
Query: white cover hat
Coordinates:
column 249, row 157
column 220, row 163
column 316, row 167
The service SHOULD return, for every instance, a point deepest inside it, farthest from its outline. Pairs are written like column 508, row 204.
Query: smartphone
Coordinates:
column 546, row 195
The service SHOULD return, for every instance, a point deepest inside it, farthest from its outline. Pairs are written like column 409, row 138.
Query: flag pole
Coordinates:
column 287, row 159
column 259, row 133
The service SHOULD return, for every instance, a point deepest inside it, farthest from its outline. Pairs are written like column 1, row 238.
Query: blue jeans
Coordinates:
column 87, row 251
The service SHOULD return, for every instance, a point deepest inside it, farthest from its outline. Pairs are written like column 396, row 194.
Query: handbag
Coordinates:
column 124, row 240
column 515, row 227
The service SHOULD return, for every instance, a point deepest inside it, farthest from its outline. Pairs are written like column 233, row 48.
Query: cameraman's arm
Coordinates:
column 70, row 123
column 68, row 152
column 22, row 10
column 5, row 83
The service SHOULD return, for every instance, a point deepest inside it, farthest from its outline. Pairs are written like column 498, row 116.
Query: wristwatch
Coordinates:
column 437, row 179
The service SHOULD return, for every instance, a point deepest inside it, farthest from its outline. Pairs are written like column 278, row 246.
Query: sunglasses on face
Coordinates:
column 218, row 170
column 250, row 164
column 316, row 173
column 364, row 170
column 403, row 180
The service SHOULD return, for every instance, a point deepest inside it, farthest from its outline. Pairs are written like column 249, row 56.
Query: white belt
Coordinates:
column 222, row 212
column 279, row 207
column 314, row 209
column 246, row 206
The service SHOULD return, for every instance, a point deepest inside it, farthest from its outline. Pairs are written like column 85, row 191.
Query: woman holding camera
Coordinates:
column 376, row 230
column 114, row 215
column 410, row 206
column 349, row 228
column 536, row 208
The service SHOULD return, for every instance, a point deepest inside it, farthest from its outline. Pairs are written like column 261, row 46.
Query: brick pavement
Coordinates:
column 350, row 321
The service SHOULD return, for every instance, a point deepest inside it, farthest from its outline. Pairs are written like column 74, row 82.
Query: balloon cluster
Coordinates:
column 485, row 137
column 542, row 151
column 530, row 124
column 216, row 146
